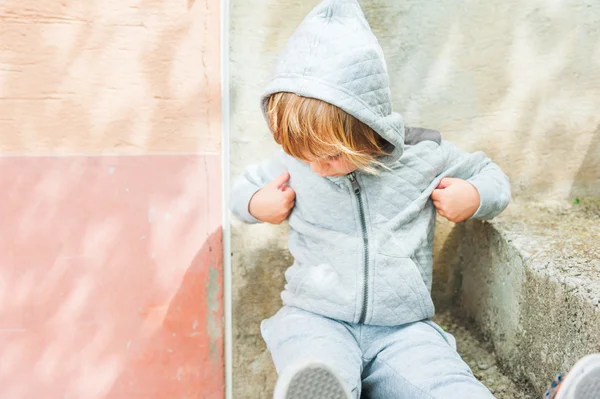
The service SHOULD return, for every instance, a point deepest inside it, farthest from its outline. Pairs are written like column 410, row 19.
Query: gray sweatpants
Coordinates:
column 411, row 361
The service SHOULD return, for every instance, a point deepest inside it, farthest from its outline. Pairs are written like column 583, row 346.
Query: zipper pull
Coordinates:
column 355, row 185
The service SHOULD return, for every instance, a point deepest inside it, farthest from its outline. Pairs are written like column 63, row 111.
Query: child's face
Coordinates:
column 331, row 166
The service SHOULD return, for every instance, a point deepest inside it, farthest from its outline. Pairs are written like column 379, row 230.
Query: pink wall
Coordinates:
column 110, row 278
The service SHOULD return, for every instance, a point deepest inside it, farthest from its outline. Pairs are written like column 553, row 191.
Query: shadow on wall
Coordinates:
column 587, row 180
column 256, row 296
column 446, row 282
column 110, row 77
column 110, row 277
column 184, row 356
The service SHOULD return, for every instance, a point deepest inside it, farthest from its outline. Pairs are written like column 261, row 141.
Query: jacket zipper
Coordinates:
column 356, row 189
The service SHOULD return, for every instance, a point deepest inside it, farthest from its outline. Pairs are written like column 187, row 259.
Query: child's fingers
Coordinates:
column 437, row 204
column 288, row 193
column 446, row 181
column 281, row 179
column 436, row 195
column 288, row 204
column 442, row 184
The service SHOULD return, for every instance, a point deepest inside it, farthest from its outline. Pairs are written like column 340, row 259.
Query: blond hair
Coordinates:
column 310, row 129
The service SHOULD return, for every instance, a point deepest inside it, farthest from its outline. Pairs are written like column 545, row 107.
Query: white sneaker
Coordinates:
column 582, row 382
column 311, row 380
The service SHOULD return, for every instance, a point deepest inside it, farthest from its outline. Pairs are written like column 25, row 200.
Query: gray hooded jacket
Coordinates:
column 362, row 244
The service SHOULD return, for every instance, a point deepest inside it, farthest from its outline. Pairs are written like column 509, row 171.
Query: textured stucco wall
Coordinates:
column 120, row 77
column 519, row 80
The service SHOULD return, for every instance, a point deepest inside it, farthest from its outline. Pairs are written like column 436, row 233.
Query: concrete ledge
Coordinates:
column 530, row 280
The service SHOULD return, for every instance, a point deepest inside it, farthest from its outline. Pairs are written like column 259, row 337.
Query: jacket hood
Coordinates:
column 334, row 56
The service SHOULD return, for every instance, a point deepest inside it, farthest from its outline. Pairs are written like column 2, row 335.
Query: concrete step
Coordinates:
column 530, row 281
column 480, row 356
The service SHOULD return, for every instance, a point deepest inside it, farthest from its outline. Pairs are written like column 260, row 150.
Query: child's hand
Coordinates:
column 456, row 199
column 274, row 202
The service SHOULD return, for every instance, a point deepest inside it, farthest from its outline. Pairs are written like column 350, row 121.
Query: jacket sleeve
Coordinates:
column 490, row 181
column 253, row 179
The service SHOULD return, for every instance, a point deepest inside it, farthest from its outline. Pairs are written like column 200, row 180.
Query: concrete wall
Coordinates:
column 519, row 80
column 110, row 236
column 535, row 265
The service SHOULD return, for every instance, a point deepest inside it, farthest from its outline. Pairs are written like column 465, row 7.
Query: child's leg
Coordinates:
column 417, row 360
column 294, row 336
